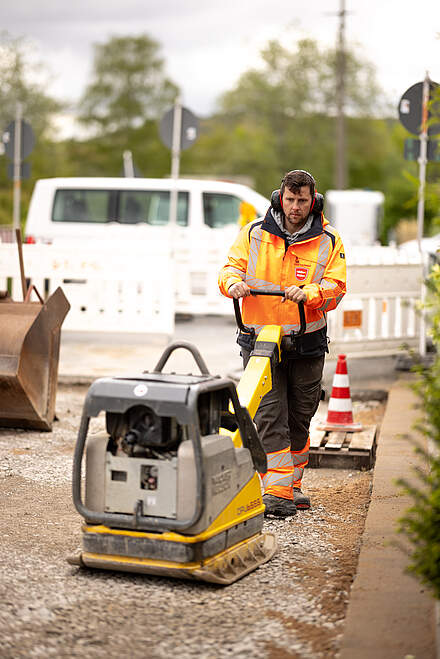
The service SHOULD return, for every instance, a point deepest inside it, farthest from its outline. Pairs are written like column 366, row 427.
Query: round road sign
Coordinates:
column 188, row 134
column 410, row 109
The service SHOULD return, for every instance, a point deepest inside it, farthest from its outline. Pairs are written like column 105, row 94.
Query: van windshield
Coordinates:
column 123, row 206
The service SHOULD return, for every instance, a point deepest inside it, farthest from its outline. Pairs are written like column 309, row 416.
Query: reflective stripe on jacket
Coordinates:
column 262, row 258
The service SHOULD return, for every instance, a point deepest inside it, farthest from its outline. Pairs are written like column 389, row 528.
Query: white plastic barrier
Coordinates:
column 127, row 289
column 197, row 268
column 379, row 313
column 197, row 289
column 110, row 290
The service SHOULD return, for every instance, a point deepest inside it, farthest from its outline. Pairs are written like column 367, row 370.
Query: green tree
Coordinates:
column 433, row 173
column 101, row 156
column 21, row 81
column 421, row 523
column 282, row 115
column 128, row 85
column 301, row 82
column 402, row 185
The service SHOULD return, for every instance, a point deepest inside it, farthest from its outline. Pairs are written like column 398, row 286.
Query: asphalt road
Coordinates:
column 93, row 355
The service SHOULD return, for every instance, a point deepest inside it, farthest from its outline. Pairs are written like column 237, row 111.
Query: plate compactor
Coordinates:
column 172, row 487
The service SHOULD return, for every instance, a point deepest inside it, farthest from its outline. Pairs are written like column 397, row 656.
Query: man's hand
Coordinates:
column 240, row 289
column 294, row 294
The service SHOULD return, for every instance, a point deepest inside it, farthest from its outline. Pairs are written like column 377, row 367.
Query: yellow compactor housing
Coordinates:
column 172, row 485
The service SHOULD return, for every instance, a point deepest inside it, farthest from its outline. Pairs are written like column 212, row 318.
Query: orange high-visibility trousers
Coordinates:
column 283, row 421
column 285, row 469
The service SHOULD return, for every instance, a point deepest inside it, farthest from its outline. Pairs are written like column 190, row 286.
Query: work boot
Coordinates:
column 301, row 500
column 277, row 507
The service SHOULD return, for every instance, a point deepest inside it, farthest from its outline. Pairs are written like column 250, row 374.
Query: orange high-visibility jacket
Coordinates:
column 263, row 259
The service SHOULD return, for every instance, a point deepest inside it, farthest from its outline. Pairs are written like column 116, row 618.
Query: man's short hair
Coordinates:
column 295, row 179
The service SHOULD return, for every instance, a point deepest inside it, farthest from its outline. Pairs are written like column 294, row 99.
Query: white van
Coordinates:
column 64, row 210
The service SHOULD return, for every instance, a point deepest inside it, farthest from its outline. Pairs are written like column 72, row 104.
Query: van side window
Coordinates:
column 151, row 207
column 82, row 206
column 220, row 209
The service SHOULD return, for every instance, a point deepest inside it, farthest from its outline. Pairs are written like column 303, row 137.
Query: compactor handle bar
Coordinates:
column 250, row 330
column 182, row 344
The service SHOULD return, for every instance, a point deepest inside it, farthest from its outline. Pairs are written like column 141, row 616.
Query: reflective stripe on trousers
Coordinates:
column 300, row 460
column 285, row 470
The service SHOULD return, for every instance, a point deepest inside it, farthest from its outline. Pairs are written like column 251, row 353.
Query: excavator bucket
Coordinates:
column 29, row 354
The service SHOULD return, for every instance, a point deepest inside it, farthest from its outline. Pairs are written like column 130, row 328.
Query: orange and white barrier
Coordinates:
column 340, row 410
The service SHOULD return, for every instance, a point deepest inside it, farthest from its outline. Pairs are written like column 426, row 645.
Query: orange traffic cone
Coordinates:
column 340, row 411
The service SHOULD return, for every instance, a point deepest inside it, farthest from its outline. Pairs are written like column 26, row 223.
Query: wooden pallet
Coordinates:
column 343, row 450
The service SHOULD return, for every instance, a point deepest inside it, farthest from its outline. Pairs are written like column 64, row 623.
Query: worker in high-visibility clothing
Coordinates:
column 292, row 248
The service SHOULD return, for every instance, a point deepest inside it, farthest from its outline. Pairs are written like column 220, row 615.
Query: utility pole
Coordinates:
column 341, row 158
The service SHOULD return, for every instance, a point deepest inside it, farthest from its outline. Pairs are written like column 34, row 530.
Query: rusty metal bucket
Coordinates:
column 29, row 354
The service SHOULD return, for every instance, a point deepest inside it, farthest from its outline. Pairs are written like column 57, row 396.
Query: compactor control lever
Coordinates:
column 250, row 330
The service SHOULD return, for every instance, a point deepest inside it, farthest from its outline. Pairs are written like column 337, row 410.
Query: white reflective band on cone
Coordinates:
column 340, row 380
column 340, row 404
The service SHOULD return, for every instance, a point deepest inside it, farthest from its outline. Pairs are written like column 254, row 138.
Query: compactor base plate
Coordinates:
column 224, row 568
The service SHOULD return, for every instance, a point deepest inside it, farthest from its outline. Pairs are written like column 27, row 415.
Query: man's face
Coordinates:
column 296, row 206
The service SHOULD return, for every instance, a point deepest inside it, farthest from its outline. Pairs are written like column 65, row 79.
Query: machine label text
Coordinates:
column 241, row 510
column 221, row 481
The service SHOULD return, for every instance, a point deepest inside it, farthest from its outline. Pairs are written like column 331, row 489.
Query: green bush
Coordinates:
column 421, row 523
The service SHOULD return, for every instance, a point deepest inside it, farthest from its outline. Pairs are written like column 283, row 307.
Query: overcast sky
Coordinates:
column 207, row 44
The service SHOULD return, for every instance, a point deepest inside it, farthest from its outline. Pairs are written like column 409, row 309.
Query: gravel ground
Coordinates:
column 292, row 607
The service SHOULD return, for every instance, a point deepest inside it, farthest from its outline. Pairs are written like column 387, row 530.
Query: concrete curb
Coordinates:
column 390, row 614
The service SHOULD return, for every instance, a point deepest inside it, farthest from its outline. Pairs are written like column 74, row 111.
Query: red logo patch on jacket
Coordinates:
column 301, row 273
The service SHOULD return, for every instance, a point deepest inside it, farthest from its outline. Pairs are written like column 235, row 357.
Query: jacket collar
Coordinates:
column 269, row 224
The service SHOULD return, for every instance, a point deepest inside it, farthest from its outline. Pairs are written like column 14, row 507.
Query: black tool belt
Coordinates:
column 313, row 344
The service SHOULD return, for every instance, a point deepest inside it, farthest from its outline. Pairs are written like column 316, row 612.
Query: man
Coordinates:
column 293, row 248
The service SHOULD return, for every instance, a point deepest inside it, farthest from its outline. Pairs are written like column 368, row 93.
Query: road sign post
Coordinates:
column 421, row 204
column 178, row 131
column 422, row 162
column 127, row 159
column 17, row 163
column 414, row 114
column 175, row 161
column 19, row 141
